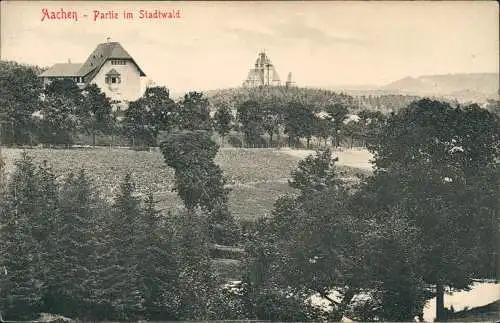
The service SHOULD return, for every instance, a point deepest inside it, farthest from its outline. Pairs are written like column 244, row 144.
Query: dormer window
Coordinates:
column 113, row 77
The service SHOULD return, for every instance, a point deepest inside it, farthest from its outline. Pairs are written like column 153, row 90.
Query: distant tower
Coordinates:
column 289, row 80
column 263, row 73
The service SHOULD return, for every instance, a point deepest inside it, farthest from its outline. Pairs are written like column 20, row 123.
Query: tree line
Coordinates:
column 60, row 113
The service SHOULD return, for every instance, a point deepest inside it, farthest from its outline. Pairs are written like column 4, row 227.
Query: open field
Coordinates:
column 257, row 176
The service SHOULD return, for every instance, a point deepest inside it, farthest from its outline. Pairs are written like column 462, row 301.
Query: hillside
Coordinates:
column 317, row 98
column 463, row 87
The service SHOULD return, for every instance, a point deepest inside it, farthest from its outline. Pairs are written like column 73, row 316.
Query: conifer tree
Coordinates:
column 159, row 264
column 28, row 217
column 77, row 235
column 197, row 281
column 120, row 276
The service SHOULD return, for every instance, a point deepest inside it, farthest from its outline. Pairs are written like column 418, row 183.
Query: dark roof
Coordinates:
column 103, row 52
column 64, row 69
column 89, row 69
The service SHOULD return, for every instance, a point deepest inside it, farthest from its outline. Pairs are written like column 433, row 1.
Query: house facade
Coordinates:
column 110, row 67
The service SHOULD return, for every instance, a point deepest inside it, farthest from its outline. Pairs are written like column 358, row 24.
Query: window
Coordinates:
column 118, row 62
column 115, row 79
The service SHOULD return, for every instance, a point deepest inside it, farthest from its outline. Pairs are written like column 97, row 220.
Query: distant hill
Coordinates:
column 313, row 97
column 463, row 87
column 474, row 87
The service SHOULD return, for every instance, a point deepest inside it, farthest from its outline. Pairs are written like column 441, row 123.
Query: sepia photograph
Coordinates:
column 249, row 161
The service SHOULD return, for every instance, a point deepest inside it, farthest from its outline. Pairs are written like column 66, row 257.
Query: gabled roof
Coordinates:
column 64, row 69
column 103, row 52
column 89, row 69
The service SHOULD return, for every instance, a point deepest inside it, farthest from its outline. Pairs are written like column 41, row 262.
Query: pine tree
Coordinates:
column 159, row 269
column 197, row 282
column 76, row 262
column 29, row 216
column 120, row 275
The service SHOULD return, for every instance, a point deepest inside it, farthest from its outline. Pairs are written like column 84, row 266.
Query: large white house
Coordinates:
column 110, row 67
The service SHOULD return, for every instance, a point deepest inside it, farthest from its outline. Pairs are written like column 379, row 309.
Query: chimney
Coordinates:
column 108, row 39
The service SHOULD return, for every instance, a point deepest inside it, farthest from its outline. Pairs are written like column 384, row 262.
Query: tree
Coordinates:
column 354, row 130
column 250, row 117
column 75, row 267
column 120, row 277
column 396, row 289
column 442, row 162
column 197, row 282
column 299, row 123
column 272, row 119
column 20, row 90
column 152, row 113
column 322, row 128
column 137, row 125
column 337, row 114
column 65, row 88
column 29, row 216
column 371, row 123
column 95, row 113
column 194, row 112
column 199, row 181
column 159, row 264
column 59, row 119
column 312, row 243
column 223, row 121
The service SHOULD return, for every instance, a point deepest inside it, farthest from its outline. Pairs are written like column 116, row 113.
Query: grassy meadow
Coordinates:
column 257, row 177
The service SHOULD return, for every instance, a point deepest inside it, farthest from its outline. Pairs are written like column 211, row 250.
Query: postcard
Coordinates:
column 252, row 161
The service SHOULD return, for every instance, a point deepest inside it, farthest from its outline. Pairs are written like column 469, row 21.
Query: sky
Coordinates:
column 214, row 44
